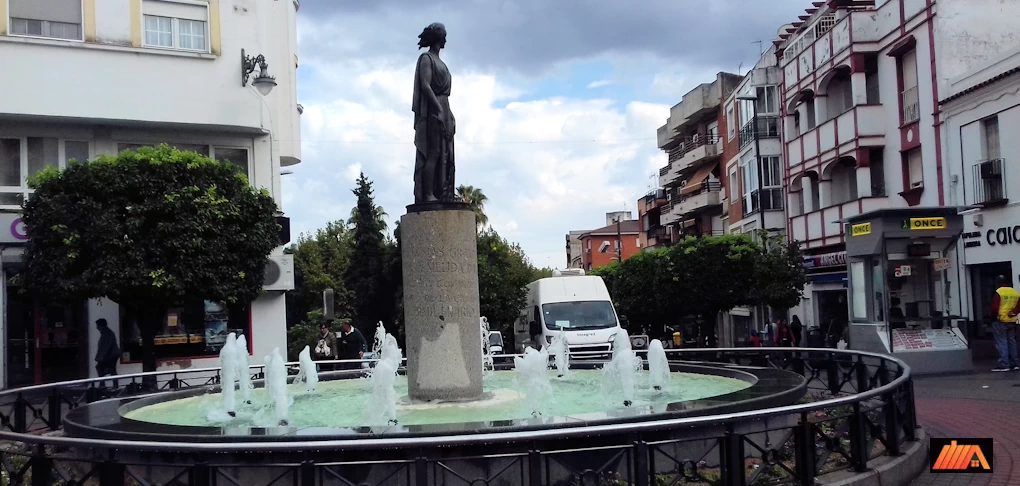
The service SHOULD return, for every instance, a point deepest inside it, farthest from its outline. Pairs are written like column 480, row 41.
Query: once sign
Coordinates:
column 925, row 224
column 860, row 229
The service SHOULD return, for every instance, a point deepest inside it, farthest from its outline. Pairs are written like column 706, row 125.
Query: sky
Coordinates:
column 557, row 101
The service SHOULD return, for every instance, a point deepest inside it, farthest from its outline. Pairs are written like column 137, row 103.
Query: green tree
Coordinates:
column 780, row 276
column 476, row 199
column 504, row 272
column 148, row 229
column 320, row 262
column 365, row 277
column 544, row 272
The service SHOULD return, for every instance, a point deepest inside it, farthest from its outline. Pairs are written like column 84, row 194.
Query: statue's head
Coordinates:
column 433, row 35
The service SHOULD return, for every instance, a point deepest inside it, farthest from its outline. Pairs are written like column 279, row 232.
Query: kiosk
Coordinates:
column 904, row 294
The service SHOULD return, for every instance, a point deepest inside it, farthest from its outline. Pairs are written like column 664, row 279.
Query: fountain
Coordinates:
column 276, row 385
column 243, row 375
column 560, row 353
column 383, row 377
column 658, row 366
column 620, row 374
column 533, row 379
column 487, row 362
column 228, row 374
column 307, row 374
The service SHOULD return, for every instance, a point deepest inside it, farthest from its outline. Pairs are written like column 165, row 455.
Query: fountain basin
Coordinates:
column 335, row 411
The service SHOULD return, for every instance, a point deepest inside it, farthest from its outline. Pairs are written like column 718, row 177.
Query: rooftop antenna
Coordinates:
column 740, row 66
column 761, row 48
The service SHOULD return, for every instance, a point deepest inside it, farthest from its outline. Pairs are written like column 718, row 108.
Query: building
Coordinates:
column 614, row 242
column 866, row 169
column 140, row 72
column 692, row 178
column 980, row 108
column 653, row 233
column 575, row 252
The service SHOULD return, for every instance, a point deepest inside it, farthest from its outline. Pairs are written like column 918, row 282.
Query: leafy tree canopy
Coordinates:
column 504, row 272
column 148, row 229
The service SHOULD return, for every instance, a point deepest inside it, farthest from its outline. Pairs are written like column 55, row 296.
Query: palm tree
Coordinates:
column 476, row 199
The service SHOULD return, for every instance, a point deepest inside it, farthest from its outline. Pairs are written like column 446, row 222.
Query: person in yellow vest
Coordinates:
column 1005, row 307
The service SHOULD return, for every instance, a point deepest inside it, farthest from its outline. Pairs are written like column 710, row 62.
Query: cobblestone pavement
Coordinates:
column 982, row 404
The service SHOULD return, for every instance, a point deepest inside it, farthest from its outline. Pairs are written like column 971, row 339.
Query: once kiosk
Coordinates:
column 904, row 291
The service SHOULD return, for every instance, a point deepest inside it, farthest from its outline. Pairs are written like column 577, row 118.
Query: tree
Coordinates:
column 643, row 289
column 504, row 272
column 365, row 278
column 320, row 262
column 544, row 272
column 780, row 274
column 476, row 199
column 148, row 229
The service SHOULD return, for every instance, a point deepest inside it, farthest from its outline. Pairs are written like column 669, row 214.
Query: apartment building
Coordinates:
column 84, row 78
column 614, row 242
column 692, row 178
column 653, row 233
column 866, row 172
column 575, row 251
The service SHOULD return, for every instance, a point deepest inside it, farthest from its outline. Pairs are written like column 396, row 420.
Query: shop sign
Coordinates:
column 860, row 229
column 941, row 264
column 12, row 228
column 903, row 271
column 914, row 224
column 837, row 259
column 1003, row 236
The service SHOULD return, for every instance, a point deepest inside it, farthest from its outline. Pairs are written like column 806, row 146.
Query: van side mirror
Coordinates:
column 534, row 329
column 624, row 322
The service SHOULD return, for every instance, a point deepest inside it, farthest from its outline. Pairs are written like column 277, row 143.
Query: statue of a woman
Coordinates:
column 434, row 125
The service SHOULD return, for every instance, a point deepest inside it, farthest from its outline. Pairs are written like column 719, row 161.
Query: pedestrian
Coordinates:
column 755, row 339
column 351, row 344
column 796, row 330
column 108, row 352
column 1005, row 310
column 326, row 348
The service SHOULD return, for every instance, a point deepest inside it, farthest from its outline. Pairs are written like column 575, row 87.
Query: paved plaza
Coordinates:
column 980, row 404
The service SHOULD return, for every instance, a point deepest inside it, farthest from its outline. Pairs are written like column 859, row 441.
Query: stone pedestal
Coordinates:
column 440, row 259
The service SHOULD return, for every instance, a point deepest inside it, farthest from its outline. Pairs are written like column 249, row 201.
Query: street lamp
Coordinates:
column 757, row 156
column 264, row 83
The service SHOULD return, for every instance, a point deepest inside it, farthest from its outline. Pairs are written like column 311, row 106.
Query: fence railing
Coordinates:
column 861, row 407
column 989, row 181
column 768, row 127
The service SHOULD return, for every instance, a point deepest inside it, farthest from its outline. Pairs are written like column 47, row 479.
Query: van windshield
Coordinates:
column 495, row 339
column 579, row 315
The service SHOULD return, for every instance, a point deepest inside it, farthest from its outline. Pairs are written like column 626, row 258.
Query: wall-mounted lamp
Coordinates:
column 286, row 172
column 264, row 83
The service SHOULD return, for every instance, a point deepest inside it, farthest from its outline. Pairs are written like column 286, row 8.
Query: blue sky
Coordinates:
column 556, row 105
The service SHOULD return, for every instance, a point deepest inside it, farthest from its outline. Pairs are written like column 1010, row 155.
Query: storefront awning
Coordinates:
column 886, row 230
column 699, row 177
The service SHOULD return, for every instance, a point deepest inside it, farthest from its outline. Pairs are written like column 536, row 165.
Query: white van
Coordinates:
column 577, row 305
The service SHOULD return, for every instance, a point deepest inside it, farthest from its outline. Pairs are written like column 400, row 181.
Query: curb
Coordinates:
column 889, row 471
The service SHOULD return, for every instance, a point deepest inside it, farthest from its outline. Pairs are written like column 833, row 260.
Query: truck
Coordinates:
column 575, row 305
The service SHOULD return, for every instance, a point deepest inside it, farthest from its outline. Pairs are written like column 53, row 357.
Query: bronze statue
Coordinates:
column 434, row 125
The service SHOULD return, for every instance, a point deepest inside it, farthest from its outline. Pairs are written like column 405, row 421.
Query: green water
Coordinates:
column 342, row 403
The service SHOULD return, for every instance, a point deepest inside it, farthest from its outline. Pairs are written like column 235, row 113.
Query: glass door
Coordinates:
column 21, row 362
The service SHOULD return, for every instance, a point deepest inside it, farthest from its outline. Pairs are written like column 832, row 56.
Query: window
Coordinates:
column 733, row 189
column 771, row 184
column 990, row 130
column 768, row 101
column 876, row 167
column 909, row 102
column 192, row 329
column 176, row 25
column 859, row 296
column 915, row 168
column 236, row 156
column 56, row 19
column 21, row 158
column 871, row 79
column 731, row 122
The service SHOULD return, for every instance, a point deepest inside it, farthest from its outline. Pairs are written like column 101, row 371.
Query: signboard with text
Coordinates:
column 12, row 229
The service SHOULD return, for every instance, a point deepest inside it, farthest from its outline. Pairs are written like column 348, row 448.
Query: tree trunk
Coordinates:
column 150, row 321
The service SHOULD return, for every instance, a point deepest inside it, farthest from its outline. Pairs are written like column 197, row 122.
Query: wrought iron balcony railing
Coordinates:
column 990, row 181
column 768, row 127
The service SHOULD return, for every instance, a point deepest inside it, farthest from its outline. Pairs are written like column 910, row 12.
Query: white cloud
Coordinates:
column 600, row 83
column 547, row 165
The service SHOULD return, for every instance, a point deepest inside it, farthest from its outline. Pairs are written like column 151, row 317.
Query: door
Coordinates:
column 61, row 343
column 20, row 337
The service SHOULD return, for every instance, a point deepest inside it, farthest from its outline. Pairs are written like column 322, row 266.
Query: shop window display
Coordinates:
column 194, row 329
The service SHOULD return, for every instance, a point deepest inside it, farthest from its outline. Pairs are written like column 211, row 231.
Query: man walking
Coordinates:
column 325, row 349
column 1005, row 310
column 107, row 353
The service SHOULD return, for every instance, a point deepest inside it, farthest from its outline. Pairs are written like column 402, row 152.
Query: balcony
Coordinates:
column 768, row 127
column 861, row 121
column 911, row 106
column 772, row 200
column 689, row 152
column 697, row 197
column 990, row 182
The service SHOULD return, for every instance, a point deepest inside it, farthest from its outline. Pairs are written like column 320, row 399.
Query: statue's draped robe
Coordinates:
column 429, row 137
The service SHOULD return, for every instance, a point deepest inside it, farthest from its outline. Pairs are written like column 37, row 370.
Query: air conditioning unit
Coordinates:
column 279, row 273
column 603, row 247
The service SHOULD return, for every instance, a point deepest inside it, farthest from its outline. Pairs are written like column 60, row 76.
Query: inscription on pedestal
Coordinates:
column 440, row 264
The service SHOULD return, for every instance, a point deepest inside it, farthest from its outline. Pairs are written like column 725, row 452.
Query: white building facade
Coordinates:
column 95, row 77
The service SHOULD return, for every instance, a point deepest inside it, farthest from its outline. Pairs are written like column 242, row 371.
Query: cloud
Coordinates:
column 600, row 83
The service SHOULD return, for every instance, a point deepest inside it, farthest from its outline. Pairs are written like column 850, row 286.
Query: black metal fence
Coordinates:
column 861, row 407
